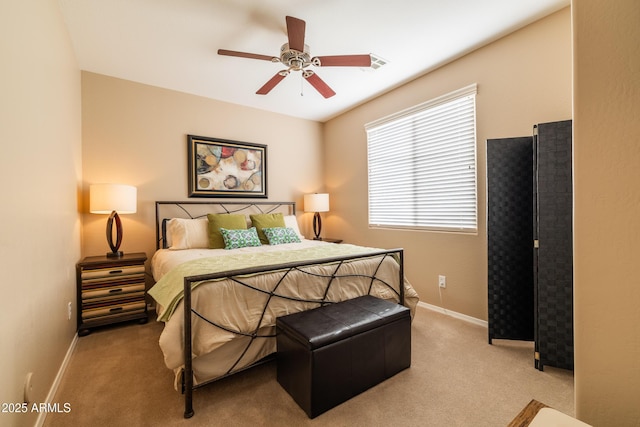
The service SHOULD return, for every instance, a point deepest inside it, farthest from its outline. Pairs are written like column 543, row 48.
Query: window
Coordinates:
column 422, row 166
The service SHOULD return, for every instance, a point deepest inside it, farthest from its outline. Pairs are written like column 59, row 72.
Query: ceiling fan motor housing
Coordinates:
column 294, row 59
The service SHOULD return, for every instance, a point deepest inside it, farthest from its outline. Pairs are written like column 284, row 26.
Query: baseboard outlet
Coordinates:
column 56, row 382
column 455, row 314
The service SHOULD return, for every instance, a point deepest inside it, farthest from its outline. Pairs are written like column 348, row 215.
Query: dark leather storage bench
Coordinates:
column 329, row 354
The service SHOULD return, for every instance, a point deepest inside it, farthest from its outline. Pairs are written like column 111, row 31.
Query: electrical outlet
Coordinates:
column 442, row 281
column 69, row 310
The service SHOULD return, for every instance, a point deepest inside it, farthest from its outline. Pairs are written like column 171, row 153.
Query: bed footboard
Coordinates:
column 239, row 277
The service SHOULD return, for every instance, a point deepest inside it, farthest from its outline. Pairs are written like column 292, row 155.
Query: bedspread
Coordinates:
column 235, row 322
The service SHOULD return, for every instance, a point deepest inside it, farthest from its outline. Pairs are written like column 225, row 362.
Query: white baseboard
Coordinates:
column 56, row 382
column 455, row 314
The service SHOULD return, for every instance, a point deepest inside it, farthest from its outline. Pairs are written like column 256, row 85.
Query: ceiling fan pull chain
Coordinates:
column 301, row 85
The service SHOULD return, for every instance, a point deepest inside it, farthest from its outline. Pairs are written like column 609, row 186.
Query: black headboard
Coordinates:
column 165, row 210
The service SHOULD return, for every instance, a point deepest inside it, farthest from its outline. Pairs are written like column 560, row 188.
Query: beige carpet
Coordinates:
column 117, row 377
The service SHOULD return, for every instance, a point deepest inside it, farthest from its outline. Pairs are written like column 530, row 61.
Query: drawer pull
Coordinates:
column 115, row 291
column 115, row 272
column 113, row 310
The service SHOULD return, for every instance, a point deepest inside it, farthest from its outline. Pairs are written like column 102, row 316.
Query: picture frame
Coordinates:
column 226, row 168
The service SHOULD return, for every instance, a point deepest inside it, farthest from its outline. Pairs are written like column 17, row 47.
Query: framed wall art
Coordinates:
column 224, row 168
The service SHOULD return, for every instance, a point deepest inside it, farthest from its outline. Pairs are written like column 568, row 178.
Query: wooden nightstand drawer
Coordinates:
column 102, row 273
column 113, row 310
column 111, row 290
column 112, row 281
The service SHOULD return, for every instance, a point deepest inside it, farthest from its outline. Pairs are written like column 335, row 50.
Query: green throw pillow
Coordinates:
column 236, row 239
column 280, row 235
column 260, row 221
column 228, row 221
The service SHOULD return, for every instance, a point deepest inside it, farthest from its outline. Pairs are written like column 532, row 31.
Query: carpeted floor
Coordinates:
column 117, row 377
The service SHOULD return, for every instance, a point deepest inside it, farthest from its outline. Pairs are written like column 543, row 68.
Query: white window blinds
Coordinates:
column 422, row 166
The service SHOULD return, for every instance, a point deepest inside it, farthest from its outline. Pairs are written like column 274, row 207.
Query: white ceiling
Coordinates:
column 173, row 43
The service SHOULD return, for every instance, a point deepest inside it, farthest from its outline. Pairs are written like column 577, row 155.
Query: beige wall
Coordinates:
column 137, row 134
column 606, row 39
column 40, row 173
column 523, row 79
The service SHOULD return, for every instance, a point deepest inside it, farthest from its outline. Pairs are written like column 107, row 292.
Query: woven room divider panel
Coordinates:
column 510, row 238
column 554, row 258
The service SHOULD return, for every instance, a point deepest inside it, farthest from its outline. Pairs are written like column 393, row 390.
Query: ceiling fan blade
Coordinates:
column 272, row 82
column 318, row 83
column 295, row 32
column 246, row 55
column 342, row 61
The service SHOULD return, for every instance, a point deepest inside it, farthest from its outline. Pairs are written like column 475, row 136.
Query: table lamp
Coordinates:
column 112, row 199
column 317, row 202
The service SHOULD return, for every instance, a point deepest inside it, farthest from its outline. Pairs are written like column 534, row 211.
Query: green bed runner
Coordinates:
column 170, row 289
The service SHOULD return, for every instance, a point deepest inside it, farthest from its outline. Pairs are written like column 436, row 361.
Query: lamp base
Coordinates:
column 115, row 252
column 317, row 226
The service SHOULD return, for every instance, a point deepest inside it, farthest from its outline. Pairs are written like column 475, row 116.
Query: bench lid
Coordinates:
column 331, row 323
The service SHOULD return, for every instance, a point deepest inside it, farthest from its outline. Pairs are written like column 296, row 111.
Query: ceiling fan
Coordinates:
column 295, row 55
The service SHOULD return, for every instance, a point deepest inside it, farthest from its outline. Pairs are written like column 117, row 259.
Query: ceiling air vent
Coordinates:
column 376, row 62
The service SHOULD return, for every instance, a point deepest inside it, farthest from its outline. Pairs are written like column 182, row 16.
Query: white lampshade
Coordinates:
column 106, row 198
column 318, row 202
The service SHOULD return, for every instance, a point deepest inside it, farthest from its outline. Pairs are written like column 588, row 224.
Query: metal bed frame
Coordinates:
column 194, row 210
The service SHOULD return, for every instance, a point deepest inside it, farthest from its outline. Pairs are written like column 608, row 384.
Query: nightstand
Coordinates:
column 110, row 290
column 332, row 240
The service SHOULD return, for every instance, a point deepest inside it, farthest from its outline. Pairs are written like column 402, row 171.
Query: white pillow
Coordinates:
column 188, row 233
column 292, row 222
